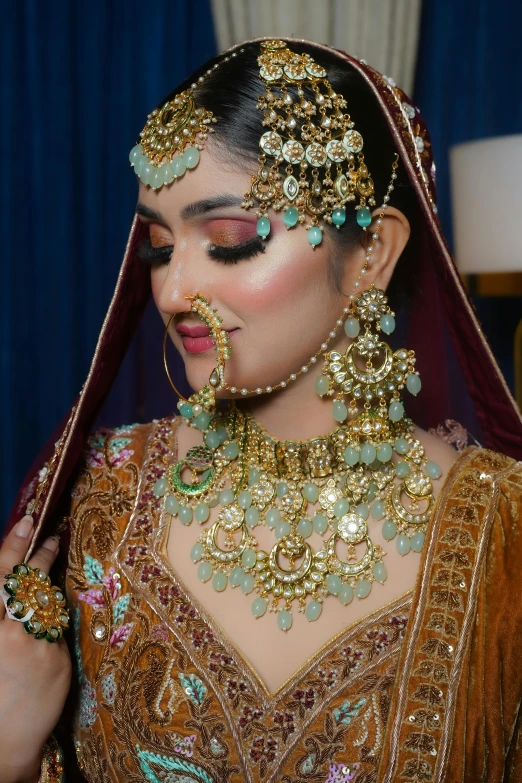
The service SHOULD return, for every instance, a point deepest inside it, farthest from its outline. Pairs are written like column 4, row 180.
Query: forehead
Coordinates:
column 214, row 175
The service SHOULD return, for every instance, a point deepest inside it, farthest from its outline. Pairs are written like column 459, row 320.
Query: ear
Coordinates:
column 393, row 235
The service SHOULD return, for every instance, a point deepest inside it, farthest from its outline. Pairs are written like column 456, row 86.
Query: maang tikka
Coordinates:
column 322, row 158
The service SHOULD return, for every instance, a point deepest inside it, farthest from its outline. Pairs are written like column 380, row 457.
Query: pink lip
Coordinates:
column 196, row 339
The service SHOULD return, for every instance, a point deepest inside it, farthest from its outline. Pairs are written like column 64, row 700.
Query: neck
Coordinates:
column 296, row 412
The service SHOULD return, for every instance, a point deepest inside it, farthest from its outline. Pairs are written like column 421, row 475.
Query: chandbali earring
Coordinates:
column 353, row 373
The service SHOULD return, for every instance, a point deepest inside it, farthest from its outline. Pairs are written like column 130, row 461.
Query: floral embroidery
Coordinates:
column 346, row 712
column 108, row 686
column 104, row 440
column 87, row 704
column 193, row 687
column 342, row 773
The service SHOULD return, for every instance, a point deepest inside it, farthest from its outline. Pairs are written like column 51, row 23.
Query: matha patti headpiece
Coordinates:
column 322, row 160
column 173, row 137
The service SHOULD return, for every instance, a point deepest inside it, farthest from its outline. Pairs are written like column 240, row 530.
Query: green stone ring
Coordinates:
column 30, row 598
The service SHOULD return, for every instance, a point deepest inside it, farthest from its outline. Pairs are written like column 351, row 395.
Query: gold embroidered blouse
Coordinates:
column 426, row 689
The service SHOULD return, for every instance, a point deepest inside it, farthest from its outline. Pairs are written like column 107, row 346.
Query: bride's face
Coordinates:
column 275, row 298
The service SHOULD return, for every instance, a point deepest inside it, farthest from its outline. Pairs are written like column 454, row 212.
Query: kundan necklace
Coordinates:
column 338, row 486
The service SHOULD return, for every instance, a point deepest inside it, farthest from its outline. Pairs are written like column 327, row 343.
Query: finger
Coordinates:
column 14, row 549
column 45, row 555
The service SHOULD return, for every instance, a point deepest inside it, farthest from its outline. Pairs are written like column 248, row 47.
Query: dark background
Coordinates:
column 77, row 81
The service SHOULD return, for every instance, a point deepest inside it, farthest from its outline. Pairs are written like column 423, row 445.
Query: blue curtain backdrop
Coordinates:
column 468, row 86
column 78, row 79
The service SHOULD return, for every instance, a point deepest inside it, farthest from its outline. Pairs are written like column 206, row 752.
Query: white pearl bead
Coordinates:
column 259, row 390
column 293, row 377
column 386, row 199
column 379, row 222
column 313, row 359
column 324, row 346
column 269, row 389
column 243, row 391
column 233, row 389
column 332, row 334
column 283, row 384
column 339, row 322
column 304, row 368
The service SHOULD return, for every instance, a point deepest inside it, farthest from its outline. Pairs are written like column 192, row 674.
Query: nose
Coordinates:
column 179, row 282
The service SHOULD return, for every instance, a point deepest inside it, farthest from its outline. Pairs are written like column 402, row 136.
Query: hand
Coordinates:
column 35, row 675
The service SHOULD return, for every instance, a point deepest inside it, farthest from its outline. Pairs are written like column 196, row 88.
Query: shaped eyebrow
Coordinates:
column 193, row 210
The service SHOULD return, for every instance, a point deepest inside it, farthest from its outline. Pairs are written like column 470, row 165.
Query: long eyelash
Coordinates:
column 226, row 255
column 154, row 255
column 231, row 255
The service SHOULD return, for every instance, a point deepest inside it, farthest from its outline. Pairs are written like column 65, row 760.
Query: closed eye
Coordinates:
column 230, row 254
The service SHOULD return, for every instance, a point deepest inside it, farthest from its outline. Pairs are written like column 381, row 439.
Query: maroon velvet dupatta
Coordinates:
column 461, row 379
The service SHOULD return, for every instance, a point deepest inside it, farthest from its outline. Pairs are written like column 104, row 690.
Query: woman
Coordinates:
column 373, row 559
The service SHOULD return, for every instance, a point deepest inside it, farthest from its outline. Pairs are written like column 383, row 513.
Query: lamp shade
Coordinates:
column 486, row 185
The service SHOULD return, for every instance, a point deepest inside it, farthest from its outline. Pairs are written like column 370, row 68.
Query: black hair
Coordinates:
column 231, row 92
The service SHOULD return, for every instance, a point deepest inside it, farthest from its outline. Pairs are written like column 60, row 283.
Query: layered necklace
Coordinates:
column 369, row 471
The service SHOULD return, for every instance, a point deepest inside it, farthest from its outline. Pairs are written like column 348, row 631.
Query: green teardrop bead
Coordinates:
column 413, row 384
column 304, row 527
column 387, row 323
column 433, row 470
column 401, row 446
column 403, row 544
column 313, row 611
column 226, row 497
column 171, row 504
column 201, row 512
column 202, row 420
column 290, row 217
column 345, row 595
column 363, row 588
column 322, row 385
column 248, row 558
column 311, row 492
column 196, row 553
column 320, row 523
column 252, row 516
column 378, row 510
column 185, row 515
column 219, row 581
column 333, row 584
column 396, row 411
column 273, row 517
column 351, row 456
column 263, row 227
column 259, row 607
column 315, row 236
column 389, row 530
column 368, row 453
column 236, row 576
column 212, row 439
column 340, row 411
column 248, row 584
column 284, row 619
column 417, row 541
column 339, row 217
column 384, row 453
column 244, row 499
column 364, row 217
column 379, row 572
column 352, row 327
column 160, row 487
column 204, row 571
